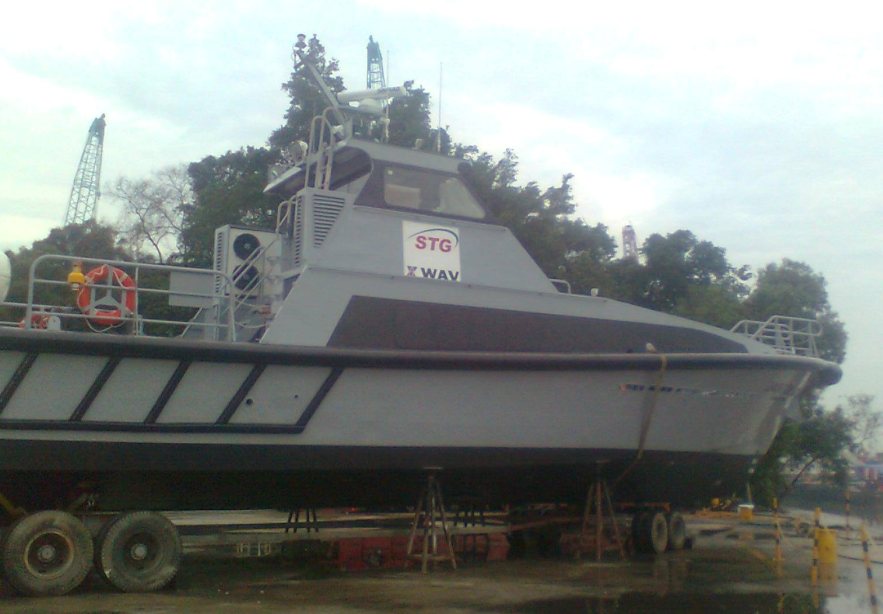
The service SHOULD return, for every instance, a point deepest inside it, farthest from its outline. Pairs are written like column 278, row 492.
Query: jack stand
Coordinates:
column 470, row 512
column 597, row 497
column 309, row 523
column 430, row 508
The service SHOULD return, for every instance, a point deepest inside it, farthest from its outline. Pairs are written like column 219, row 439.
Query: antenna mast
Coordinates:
column 86, row 188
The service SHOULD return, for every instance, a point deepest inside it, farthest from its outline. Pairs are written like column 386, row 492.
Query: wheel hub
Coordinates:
column 49, row 554
column 139, row 552
column 46, row 553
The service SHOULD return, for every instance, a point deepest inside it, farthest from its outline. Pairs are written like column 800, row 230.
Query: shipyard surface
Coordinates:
column 724, row 572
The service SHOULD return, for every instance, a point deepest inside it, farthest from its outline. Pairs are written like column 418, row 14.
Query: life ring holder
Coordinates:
column 106, row 310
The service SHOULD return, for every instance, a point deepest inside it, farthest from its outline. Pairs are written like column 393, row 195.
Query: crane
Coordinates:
column 376, row 80
column 86, row 190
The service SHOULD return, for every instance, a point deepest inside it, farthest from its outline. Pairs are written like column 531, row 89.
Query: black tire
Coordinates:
column 658, row 532
column 650, row 533
column 638, row 532
column 46, row 553
column 677, row 531
column 138, row 552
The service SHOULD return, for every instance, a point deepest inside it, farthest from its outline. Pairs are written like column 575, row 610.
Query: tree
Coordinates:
column 679, row 261
column 562, row 246
column 226, row 190
column 307, row 100
column 792, row 288
column 153, row 210
column 819, row 439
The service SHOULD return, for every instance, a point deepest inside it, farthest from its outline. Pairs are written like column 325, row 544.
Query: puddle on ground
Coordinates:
column 687, row 603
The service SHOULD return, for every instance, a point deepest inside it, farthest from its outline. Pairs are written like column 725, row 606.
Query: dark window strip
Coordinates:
column 167, row 392
column 323, row 391
column 250, row 380
column 95, row 388
column 16, row 379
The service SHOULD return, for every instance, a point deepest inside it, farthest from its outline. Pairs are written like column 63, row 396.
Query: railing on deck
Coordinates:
column 788, row 335
column 220, row 323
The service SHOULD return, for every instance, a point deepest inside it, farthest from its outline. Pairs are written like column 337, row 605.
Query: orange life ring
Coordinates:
column 112, row 312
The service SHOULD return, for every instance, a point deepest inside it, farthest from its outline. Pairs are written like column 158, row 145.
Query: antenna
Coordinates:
column 438, row 130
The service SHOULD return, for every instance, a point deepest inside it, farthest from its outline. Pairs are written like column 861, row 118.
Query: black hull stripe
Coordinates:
column 16, row 379
column 152, row 427
column 320, row 395
column 167, row 392
column 95, row 388
column 250, row 380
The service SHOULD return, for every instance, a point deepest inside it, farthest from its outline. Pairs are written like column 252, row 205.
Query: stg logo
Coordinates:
column 431, row 252
column 435, row 239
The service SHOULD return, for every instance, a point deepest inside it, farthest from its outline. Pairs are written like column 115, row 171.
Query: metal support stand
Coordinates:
column 606, row 532
column 470, row 512
column 429, row 511
column 310, row 522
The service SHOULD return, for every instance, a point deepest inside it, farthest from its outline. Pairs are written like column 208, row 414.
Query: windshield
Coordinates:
column 427, row 191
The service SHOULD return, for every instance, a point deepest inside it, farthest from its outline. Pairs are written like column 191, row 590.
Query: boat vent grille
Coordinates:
column 220, row 252
column 326, row 210
column 299, row 230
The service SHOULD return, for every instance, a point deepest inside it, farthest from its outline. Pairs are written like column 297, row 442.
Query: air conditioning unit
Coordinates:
column 247, row 256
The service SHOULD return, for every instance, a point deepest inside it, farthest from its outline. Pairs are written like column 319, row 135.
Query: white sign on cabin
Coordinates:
column 431, row 251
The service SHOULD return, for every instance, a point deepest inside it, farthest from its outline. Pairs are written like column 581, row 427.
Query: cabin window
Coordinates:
column 430, row 192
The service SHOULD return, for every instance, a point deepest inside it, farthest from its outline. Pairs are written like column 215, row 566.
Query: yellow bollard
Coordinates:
column 872, row 590
column 827, row 541
column 814, row 572
column 779, row 556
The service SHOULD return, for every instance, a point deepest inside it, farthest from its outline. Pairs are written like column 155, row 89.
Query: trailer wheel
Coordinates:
column 637, row 534
column 651, row 533
column 46, row 553
column 677, row 531
column 138, row 552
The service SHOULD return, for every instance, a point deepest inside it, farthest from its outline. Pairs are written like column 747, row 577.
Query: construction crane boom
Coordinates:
column 86, row 188
column 376, row 80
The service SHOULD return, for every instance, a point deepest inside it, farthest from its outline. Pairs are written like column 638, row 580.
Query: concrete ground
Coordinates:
column 731, row 568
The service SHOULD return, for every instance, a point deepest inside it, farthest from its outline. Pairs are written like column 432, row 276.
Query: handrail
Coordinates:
column 65, row 312
column 786, row 334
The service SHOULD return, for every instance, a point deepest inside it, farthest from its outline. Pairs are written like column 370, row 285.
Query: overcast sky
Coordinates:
column 755, row 125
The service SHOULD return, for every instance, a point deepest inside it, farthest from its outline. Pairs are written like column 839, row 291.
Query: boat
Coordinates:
column 385, row 327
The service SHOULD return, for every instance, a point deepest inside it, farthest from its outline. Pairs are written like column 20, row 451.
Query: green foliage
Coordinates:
column 817, row 441
column 540, row 219
column 792, row 288
column 306, row 100
column 227, row 190
column 679, row 262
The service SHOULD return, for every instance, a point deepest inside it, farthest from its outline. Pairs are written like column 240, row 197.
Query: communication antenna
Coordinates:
column 438, row 130
column 86, row 188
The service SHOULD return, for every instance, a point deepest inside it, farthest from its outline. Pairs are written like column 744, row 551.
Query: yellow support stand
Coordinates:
column 872, row 590
column 814, row 573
